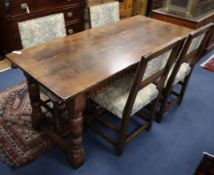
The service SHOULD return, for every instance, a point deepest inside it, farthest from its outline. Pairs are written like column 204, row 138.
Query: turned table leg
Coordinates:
column 75, row 109
column 34, row 95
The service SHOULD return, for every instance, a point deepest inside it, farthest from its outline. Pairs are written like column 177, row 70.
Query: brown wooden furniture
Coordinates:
column 191, row 52
column 12, row 12
column 154, row 4
column 126, row 8
column 140, row 7
column 188, row 8
column 187, row 22
column 129, row 95
column 1, row 52
column 77, row 66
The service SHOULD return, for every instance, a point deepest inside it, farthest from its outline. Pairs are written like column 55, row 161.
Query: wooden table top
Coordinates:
column 73, row 64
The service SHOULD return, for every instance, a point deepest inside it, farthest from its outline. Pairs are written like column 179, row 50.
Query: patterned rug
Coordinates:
column 206, row 166
column 19, row 143
column 209, row 64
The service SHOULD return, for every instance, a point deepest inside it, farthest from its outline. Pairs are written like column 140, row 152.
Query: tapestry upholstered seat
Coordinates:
column 128, row 95
column 180, row 73
column 102, row 14
column 115, row 96
column 184, row 70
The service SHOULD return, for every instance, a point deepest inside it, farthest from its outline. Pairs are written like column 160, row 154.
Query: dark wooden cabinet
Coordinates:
column 194, row 23
column 14, row 11
column 1, row 49
column 154, row 4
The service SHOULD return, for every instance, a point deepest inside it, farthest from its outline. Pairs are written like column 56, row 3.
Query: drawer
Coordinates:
column 73, row 13
column 23, row 7
column 74, row 27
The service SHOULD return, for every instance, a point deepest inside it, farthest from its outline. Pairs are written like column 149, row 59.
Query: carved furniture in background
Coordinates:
column 1, row 50
column 154, row 4
column 140, row 7
column 126, row 8
column 180, row 74
column 73, row 73
column 13, row 12
column 192, row 23
column 157, row 4
column 189, row 8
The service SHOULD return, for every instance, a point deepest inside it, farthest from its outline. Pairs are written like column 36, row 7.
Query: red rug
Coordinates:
column 206, row 166
column 209, row 64
column 19, row 143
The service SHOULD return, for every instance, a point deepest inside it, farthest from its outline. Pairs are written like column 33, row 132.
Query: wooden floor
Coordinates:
column 5, row 65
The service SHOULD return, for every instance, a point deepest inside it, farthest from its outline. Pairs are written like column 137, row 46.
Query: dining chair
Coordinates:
column 126, row 97
column 39, row 31
column 181, row 71
column 102, row 14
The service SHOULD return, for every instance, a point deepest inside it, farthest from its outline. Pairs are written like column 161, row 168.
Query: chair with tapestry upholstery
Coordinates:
column 39, row 31
column 102, row 14
column 126, row 97
column 182, row 70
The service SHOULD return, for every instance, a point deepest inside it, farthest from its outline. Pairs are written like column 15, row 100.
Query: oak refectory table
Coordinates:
column 75, row 66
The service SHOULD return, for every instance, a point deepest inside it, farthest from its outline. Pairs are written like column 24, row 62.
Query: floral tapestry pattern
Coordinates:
column 104, row 14
column 41, row 30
